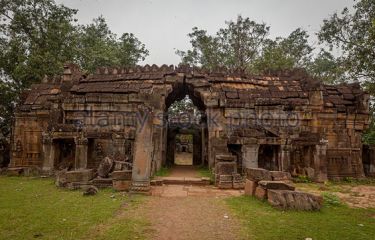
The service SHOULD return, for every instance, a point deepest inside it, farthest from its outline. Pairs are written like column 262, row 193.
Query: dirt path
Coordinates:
column 189, row 212
column 184, row 158
column 191, row 218
column 183, row 171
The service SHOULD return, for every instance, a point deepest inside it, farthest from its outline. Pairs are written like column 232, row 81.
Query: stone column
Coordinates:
column 320, row 162
column 250, row 156
column 203, row 142
column 215, row 124
column 48, row 154
column 81, row 153
column 285, row 157
column 143, row 148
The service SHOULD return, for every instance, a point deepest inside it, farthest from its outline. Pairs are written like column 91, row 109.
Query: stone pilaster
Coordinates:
column 143, row 155
column 48, row 153
column 285, row 158
column 250, row 156
column 81, row 153
column 320, row 161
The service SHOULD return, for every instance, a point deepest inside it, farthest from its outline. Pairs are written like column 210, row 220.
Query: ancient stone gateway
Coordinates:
column 283, row 121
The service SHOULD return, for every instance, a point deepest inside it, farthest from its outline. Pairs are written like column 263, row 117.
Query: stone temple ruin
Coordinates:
column 111, row 127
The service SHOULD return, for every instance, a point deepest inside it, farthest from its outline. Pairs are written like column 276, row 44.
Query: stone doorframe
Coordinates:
column 49, row 151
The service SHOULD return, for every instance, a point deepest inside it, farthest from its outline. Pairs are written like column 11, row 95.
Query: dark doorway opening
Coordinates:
column 186, row 131
column 268, row 157
column 65, row 150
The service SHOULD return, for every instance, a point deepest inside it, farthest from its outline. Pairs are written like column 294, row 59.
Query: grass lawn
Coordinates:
column 32, row 208
column 261, row 221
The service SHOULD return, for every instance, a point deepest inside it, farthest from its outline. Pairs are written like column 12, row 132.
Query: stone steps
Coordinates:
column 181, row 181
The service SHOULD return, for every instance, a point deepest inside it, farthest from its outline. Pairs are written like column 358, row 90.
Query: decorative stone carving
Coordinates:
column 99, row 149
column 105, row 167
column 140, row 186
column 47, row 138
column 81, row 141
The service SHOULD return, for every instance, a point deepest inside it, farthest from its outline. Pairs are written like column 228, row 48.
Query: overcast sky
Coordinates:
column 163, row 25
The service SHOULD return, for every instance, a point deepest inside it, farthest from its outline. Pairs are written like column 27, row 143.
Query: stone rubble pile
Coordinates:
column 275, row 187
column 109, row 174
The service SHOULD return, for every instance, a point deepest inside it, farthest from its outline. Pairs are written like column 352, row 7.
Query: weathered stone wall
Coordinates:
column 309, row 127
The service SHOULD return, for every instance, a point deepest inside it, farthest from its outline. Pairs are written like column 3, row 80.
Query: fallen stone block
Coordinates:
column 260, row 193
column 250, row 187
column 80, row 175
column 276, row 185
column 61, row 179
column 121, row 175
column 286, row 199
column 76, row 185
column 102, row 182
column 90, row 190
column 14, row 172
column 258, row 174
column 281, row 176
column 121, row 185
column 105, row 167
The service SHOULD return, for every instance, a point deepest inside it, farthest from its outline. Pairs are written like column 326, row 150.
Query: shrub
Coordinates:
column 302, row 179
column 331, row 199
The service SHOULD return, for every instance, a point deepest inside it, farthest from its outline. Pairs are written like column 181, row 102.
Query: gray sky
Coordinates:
column 163, row 25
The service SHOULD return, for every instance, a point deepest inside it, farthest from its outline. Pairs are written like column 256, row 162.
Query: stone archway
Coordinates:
column 198, row 130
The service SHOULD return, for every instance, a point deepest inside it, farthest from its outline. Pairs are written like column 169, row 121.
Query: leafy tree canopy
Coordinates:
column 354, row 35
column 235, row 46
column 38, row 36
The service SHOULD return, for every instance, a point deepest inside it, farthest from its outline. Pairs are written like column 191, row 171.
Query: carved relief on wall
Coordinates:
column 99, row 150
column 81, row 141
column 18, row 148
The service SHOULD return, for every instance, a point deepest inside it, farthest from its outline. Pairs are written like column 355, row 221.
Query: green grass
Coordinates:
column 261, row 221
column 336, row 186
column 206, row 172
column 163, row 172
column 32, row 208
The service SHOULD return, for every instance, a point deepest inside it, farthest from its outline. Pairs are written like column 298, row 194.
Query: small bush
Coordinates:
column 302, row 179
column 331, row 199
column 349, row 179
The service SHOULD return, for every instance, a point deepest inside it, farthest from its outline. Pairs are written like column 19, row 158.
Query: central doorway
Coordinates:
column 186, row 132
column 184, row 150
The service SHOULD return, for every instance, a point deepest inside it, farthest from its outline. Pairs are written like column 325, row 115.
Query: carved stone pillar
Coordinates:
column 250, row 156
column 320, row 161
column 204, row 147
column 48, row 153
column 81, row 153
column 285, row 158
column 143, row 148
